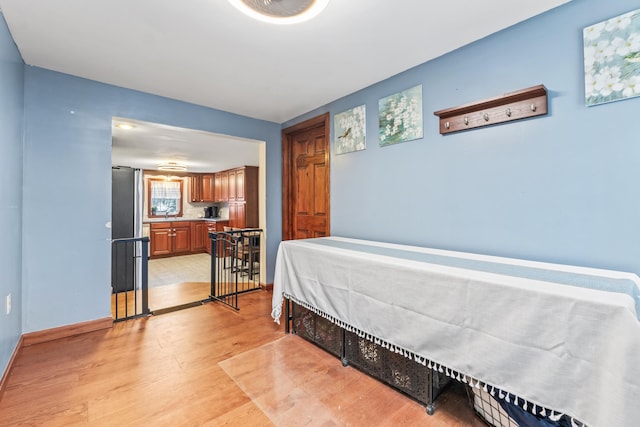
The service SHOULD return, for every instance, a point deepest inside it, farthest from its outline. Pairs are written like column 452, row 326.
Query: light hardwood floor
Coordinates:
column 160, row 297
column 205, row 366
column 167, row 296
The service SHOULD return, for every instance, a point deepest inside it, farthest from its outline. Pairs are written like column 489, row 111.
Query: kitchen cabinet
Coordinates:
column 199, row 239
column 208, row 187
column 195, row 188
column 233, row 215
column 243, row 208
column 170, row 238
column 232, row 185
column 202, row 188
column 243, row 215
column 238, row 184
column 160, row 236
column 240, row 178
column 209, row 227
column 243, row 184
column 212, row 227
column 221, row 186
column 240, row 217
column 181, row 237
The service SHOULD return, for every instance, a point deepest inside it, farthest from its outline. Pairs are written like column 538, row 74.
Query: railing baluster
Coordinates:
column 236, row 250
column 134, row 248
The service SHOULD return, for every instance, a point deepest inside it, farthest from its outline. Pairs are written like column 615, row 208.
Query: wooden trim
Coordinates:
column 287, row 162
column 7, row 372
column 511, row 106
column 267, row 286
column 66, row 331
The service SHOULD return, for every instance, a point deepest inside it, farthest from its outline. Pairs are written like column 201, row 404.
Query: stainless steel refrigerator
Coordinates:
column 126, row 222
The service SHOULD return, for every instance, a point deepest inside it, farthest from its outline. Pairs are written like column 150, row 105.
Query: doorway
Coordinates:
column 305, row 177
column 184, row 279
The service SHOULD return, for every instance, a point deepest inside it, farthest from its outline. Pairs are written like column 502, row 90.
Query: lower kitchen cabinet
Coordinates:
column 181, row 237
column 212, row 227
column 170, row 238
column 199, row 238
column 160, row 236
column 184, row 237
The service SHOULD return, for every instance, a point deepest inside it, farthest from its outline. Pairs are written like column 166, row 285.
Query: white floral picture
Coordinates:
column 400, row 116
column 612, row 59
column 350, row 130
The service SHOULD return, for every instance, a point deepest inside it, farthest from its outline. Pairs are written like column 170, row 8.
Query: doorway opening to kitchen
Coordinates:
column 184, row 185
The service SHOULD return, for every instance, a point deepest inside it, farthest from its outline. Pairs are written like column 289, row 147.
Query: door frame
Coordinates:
column 288, row 180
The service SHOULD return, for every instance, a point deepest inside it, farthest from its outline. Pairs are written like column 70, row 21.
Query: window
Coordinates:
column 165, row 197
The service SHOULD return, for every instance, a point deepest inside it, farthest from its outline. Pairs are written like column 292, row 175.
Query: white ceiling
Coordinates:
column 206, row 52
column 148, row 145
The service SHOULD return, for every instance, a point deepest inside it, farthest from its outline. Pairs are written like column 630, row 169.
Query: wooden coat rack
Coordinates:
column 517, row 105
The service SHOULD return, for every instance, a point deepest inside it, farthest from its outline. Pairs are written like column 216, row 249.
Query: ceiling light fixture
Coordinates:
column 172, row 166
column 125, row 126
column 281, row 11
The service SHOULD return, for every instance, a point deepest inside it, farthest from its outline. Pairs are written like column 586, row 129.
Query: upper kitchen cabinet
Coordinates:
column 195, row 190
column 221, row 184
column 202, row 188
column 243, row 184
column 232, row 185
column 208, row 188
column 243, row 207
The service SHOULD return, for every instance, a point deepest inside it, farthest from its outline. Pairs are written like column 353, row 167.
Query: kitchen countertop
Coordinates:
column 177, row 219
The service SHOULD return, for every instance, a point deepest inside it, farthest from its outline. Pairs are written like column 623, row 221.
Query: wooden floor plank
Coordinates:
column 168, row 370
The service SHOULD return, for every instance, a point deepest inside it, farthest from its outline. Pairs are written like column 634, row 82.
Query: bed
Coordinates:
column 559, row 339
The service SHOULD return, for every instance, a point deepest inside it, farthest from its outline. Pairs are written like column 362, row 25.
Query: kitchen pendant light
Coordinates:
column 281, row 11
column 172, row 166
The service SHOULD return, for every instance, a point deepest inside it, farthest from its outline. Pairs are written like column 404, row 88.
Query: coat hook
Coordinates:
column 508, row 112
column 447, row 125
column 466, row 120
column 533, row 107
column 486, row 117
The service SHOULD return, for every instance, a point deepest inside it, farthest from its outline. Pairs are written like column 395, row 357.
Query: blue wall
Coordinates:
column 67, row 187
column 558, row 188
column 561, row 188
column 11, row 125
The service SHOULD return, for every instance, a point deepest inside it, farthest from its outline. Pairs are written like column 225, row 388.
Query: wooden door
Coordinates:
column 306, row 175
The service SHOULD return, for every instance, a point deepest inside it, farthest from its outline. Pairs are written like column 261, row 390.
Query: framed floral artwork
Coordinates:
column 612, row 59
column 350, row 130
column 400, row 116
